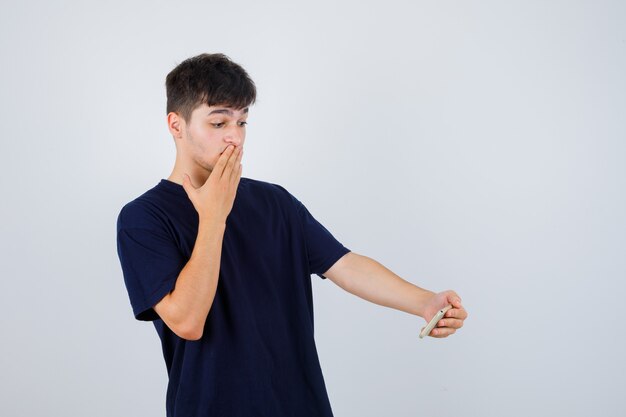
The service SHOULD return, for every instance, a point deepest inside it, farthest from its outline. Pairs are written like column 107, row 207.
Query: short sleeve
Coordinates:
column 150, row 259
column 322, row 247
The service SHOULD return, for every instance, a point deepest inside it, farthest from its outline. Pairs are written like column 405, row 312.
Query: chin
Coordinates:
column 205, row 165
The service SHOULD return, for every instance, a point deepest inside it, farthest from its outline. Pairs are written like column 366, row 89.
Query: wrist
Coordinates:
column 423, row 300
column 210, row 229
column 210, row 222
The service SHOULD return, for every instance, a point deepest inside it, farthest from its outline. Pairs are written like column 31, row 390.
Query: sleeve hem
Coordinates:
column 331, row 261
column 146, row 311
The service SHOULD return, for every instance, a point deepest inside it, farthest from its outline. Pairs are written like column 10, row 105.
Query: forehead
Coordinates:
column 204, row 110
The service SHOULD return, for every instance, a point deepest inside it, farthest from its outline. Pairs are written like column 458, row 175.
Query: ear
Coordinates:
column 175, row 124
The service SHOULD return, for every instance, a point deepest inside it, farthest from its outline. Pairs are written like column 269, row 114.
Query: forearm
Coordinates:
column 372, row 281
column 190, row 301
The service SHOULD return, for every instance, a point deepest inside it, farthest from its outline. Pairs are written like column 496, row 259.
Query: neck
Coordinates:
column 197, row 174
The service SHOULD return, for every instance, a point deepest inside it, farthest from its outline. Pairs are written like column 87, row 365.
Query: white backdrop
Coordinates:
column 469, row 145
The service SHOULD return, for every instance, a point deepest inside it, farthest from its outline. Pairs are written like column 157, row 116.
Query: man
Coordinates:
column 222, row 264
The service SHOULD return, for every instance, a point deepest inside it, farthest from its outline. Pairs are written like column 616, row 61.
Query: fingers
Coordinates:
column 187, row 184
column 457, row 313
column 457, row 310
column 235, row 165
column 231, row 166
column 453, row 319
column 454, row 299
column 454, row 323
column 237, row 177
column 448, row 325
column 440, row 332
column 220, row 167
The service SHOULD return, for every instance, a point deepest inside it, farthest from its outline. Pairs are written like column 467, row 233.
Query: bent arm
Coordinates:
column 184, row 310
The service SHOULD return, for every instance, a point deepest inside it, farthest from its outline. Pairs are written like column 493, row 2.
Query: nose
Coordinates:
column 235, row 137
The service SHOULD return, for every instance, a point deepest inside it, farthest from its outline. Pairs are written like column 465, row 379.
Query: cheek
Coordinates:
column 210, row 138
column 206, row 147
column 201, row 139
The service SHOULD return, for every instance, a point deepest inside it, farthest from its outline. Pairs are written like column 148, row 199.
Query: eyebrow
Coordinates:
column 226, row 111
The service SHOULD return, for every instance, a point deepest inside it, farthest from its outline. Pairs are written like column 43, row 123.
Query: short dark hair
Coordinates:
column 211, row 79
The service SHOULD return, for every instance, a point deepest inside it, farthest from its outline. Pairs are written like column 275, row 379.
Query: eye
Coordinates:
column 218, row 125
column 243, row 123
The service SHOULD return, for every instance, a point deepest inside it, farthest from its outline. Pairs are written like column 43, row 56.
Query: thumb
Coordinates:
column 454, row 299
column 187, row 185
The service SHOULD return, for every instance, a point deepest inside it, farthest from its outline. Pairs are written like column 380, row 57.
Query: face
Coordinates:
column 209, row 132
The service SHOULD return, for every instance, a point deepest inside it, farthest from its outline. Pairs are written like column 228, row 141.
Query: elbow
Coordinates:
column 181, row 323
column 190, row 331
column 190, row 335
column 185, row 329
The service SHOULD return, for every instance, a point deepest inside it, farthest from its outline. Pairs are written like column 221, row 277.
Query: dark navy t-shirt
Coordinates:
column 257, row 355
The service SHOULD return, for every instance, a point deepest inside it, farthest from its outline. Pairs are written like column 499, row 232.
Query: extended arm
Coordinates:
column 371, row 281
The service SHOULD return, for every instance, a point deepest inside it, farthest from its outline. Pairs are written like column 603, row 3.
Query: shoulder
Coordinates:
column 270, row 189
column 143, row 212
column 270, row 196
column 260, row 185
